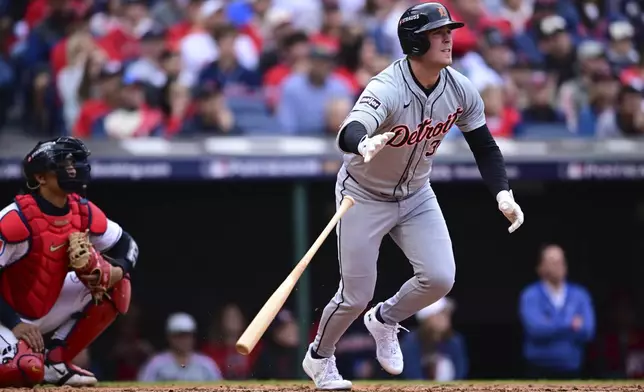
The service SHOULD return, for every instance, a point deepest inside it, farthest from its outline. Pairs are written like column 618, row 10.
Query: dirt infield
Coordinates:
column 393, row 387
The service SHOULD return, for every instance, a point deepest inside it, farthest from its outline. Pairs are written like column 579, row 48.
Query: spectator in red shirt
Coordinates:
column 227, row 327
column 122, row 42
column 179, row 30
column 634, row 75
column 107, row 19
column 331, row 30
column 502, row 118
column 108, row 87
column 80, row 48
column 77, row 25
column 358, row 60
column 277, row 27
column 38, row 10
column 470, row 13
column 294, row 55
column 133, row 118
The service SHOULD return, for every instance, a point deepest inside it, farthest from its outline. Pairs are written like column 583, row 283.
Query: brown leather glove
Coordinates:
column 90, row 267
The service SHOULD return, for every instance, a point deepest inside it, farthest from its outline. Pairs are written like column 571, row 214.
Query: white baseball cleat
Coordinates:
column 67, row 374
column 388, row 350
column 324, row 373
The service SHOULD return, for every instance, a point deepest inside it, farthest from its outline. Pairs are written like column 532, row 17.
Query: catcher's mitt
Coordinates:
column 86, row 261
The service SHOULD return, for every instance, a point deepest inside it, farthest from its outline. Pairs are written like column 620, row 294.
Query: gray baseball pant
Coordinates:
column 417, row 226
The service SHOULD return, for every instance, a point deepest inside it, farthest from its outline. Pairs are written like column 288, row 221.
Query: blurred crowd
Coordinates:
column 178, row 68
column 562, row 339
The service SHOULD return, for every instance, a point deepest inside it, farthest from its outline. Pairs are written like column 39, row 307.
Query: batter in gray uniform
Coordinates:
column 390, row 139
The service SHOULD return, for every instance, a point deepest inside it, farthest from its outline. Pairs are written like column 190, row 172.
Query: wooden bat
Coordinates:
column 268, row 312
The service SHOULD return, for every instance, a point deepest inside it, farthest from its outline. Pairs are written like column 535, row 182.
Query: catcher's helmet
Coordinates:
column 418, row 19
column 57, row 155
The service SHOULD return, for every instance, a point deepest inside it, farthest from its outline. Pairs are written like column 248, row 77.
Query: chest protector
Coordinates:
column 32, row 284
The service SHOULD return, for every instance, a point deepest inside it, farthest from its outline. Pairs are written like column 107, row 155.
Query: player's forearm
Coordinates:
column 488, row 159
column 351, row 135
column 124, row 253
column 8, row 317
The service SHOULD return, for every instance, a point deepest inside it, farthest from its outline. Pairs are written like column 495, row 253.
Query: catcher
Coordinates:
column 64, row 270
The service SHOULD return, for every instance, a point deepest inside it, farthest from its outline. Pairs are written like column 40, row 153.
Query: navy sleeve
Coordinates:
column 488, row 158
column 124, row 253
column 8, row 317
column 351, row 136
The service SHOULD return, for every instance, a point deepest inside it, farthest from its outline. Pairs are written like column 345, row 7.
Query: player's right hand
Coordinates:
column 31, row 335
column 370, row 146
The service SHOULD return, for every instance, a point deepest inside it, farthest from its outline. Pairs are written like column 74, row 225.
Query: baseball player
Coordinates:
column 52, row 277
column 389, row 139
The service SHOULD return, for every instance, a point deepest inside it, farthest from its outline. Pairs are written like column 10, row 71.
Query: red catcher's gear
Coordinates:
column 21, row 367
column 32, row 285
column 95, row 319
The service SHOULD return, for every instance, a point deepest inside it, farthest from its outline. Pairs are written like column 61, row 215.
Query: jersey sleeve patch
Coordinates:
column 371, row 101
column 97, row 220
column 13, row 229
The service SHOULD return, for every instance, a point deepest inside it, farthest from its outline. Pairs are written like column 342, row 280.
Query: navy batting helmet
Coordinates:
column 57, row 155
column 418, row 19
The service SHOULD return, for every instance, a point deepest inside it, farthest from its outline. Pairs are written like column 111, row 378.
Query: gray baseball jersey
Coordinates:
column 393, row 101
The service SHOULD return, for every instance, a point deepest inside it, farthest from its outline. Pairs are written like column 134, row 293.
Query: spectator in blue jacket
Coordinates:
column 308, row 97
column 558, row 320
column 435, row 351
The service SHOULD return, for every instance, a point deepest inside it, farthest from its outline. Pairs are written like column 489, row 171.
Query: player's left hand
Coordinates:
column 510, row 209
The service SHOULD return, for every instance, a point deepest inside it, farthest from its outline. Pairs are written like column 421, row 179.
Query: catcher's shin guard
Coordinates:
column 21, row 367
column 92, row 323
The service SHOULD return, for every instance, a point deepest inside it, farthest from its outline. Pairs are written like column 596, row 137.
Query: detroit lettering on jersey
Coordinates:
column 423, row 132
column 393, row 102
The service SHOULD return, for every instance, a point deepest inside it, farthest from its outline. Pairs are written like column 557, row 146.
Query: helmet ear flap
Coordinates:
column 417, row 44
column 422, row 43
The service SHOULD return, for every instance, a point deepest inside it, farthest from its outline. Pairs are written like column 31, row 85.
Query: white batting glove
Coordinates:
column 510, row 209
column 370, row 146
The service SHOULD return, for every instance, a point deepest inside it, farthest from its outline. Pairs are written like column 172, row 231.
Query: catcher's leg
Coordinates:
column 80, row 321
column 19, row 366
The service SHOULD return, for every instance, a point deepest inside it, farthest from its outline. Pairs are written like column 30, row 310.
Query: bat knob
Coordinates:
column 350, row 199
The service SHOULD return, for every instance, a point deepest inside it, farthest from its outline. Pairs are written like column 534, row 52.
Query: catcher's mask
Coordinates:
column 60, row 156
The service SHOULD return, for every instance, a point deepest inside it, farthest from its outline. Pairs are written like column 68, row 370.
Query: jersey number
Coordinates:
column 433, row 146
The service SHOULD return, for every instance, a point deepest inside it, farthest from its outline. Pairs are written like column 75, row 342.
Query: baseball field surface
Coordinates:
column 470, row 386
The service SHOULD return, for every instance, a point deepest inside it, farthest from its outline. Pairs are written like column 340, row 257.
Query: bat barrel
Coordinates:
column 247, row 342
column 243, row 349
